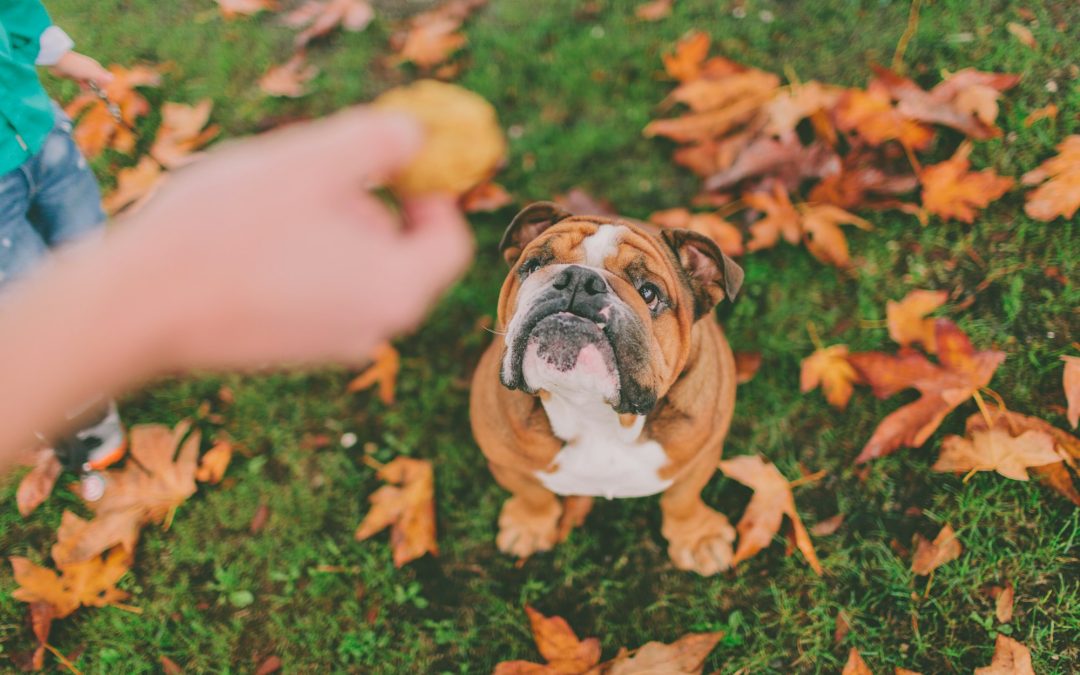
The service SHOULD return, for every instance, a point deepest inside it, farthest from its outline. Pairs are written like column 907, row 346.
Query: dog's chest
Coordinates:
column 601, row 457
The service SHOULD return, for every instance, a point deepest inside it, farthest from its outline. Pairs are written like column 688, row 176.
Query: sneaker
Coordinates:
column 100, row 443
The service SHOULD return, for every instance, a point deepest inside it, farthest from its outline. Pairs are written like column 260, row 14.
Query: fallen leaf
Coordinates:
column 1003, row 603
column 133, row 185
column 772, row 500
column 855, row 664
column 431, row 37
column 828, row 526
column 290, row 78
column 323, row 16
column 690, row 52
column 181, row 132
column 746, row 366
column 1022, row 33
column 487, row 196
column 654, row 10
column 829, row 369
column 37, row 485
column 272, row 664
column 965, row 101
column 951, row 191
column 579, row 202
column 996, row 450
column 146, row 490
column 41, row 618
column 214, row 462
column 705, row 94
column 409, row 510
column 258, row 521
column 463, row 143
column 231, row 9
column 781, row 219
column 822, row 234
column 97, row 129
column 1010, row 658
column 685, row 656
column 799, row 101
column 870, row 113
column 170, row 667
column 90, row 582
column 559, row 646
column 907, row 322
column 383, row 371
column 960, row 373
column 862, row 178
column 1070, row 380
column 1060, row 194
column 1047, row 112
column 930, row 555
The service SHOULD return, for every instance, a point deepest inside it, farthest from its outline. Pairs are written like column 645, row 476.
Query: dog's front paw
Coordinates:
column 701, row 543
column 525, row 529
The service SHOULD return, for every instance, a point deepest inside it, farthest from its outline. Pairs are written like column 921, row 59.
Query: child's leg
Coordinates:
column 65, row 202
column 21, row 246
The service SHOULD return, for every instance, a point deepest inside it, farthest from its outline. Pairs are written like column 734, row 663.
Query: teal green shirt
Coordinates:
column 26, row 115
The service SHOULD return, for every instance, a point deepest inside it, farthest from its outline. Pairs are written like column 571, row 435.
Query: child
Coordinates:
column 48, row 194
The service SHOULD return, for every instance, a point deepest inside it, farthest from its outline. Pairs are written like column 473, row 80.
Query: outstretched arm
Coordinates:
column 270, row 251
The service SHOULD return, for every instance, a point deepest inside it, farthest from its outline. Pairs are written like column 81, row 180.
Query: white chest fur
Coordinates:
column 601, row 458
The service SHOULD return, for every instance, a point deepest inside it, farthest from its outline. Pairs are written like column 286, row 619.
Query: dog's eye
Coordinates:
column 528, row 267
column 650, row 294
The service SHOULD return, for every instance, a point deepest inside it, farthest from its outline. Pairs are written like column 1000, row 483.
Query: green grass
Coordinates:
column 581, row 80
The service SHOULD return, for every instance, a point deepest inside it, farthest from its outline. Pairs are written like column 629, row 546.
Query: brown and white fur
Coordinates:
column 610, row 378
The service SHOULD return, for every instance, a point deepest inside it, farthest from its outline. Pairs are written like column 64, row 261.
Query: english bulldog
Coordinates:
column 609, row 377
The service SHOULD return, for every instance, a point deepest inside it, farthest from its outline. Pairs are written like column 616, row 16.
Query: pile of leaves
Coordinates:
column 91, row 556
column 793, row 160
column 996, row 440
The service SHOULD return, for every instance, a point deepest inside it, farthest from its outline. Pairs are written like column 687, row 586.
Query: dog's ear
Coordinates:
column 712, row 275
column 528, row 225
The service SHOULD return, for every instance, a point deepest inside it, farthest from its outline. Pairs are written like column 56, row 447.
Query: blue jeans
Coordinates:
column 51, row 199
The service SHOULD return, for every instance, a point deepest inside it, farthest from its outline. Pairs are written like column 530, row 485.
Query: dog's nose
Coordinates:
column 576, row 278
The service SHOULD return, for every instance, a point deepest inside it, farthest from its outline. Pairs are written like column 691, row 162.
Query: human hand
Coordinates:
column 82, row 69
column 274, row 249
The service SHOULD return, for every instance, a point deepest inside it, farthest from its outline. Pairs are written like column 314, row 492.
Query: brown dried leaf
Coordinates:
column 996, row 450
column 37, row 485
column 181, row 132
column 1003, row 603
column 272, row 664
column 829, row 369
column 133, row 185
column 1060, row 194
column 1010, row 658
column 97, row 129
column 690, row 52
column 685, row 656
column 432, row 37
column 823, row 236
column 170, row 667
column 930, row 555
column 855, row 664
column 907, row 322
column 746, row 366
column 213, row 464
column 871, row 114
column 772, row 500
column 654, row 10
column 1022, row 33
column 383, row 371
column 90, row 582
column 408, row 510
column 559, row 646
column 827, row 526
column 290, row 78
column 950, row 190
column 965, row 101
column 1047, row 112
column 323, row 16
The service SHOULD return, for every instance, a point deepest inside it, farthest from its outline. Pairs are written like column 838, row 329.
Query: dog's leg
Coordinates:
column 699, row 538
column 529, row 521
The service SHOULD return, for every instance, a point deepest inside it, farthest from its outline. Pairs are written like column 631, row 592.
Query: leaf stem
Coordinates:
column 62, row 659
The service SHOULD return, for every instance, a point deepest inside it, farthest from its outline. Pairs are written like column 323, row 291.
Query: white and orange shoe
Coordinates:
column 100, row 443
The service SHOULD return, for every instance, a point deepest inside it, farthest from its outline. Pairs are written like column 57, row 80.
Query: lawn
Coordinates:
column 578, row 81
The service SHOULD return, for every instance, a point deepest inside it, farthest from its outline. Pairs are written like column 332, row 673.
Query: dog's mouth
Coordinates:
column 569, row 354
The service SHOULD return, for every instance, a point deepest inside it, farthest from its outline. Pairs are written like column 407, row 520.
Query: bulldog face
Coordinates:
column 603, row 307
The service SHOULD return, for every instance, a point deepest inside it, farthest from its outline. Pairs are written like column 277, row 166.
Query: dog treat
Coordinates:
column 464, row 143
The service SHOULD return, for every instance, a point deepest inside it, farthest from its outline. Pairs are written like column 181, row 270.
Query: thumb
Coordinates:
column 438, row 239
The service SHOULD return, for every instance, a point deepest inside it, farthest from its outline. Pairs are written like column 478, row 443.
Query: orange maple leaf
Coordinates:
column 181, row 132
column 90, row 582
column 871, row 114
column 960, row 373
column 690, row 52
column 1060, row 194
column 906, row 319
column 560, row 647
column 149, row 487
column 951, row 191
column 432, row 36
column 214, row 462
column 409, row 510
column 780, row 219
column 829, row 369
column 996, row 450
column 930, row 555
column 764, row 514
column 97, row 129
column 383, row 371
column 134, row 185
